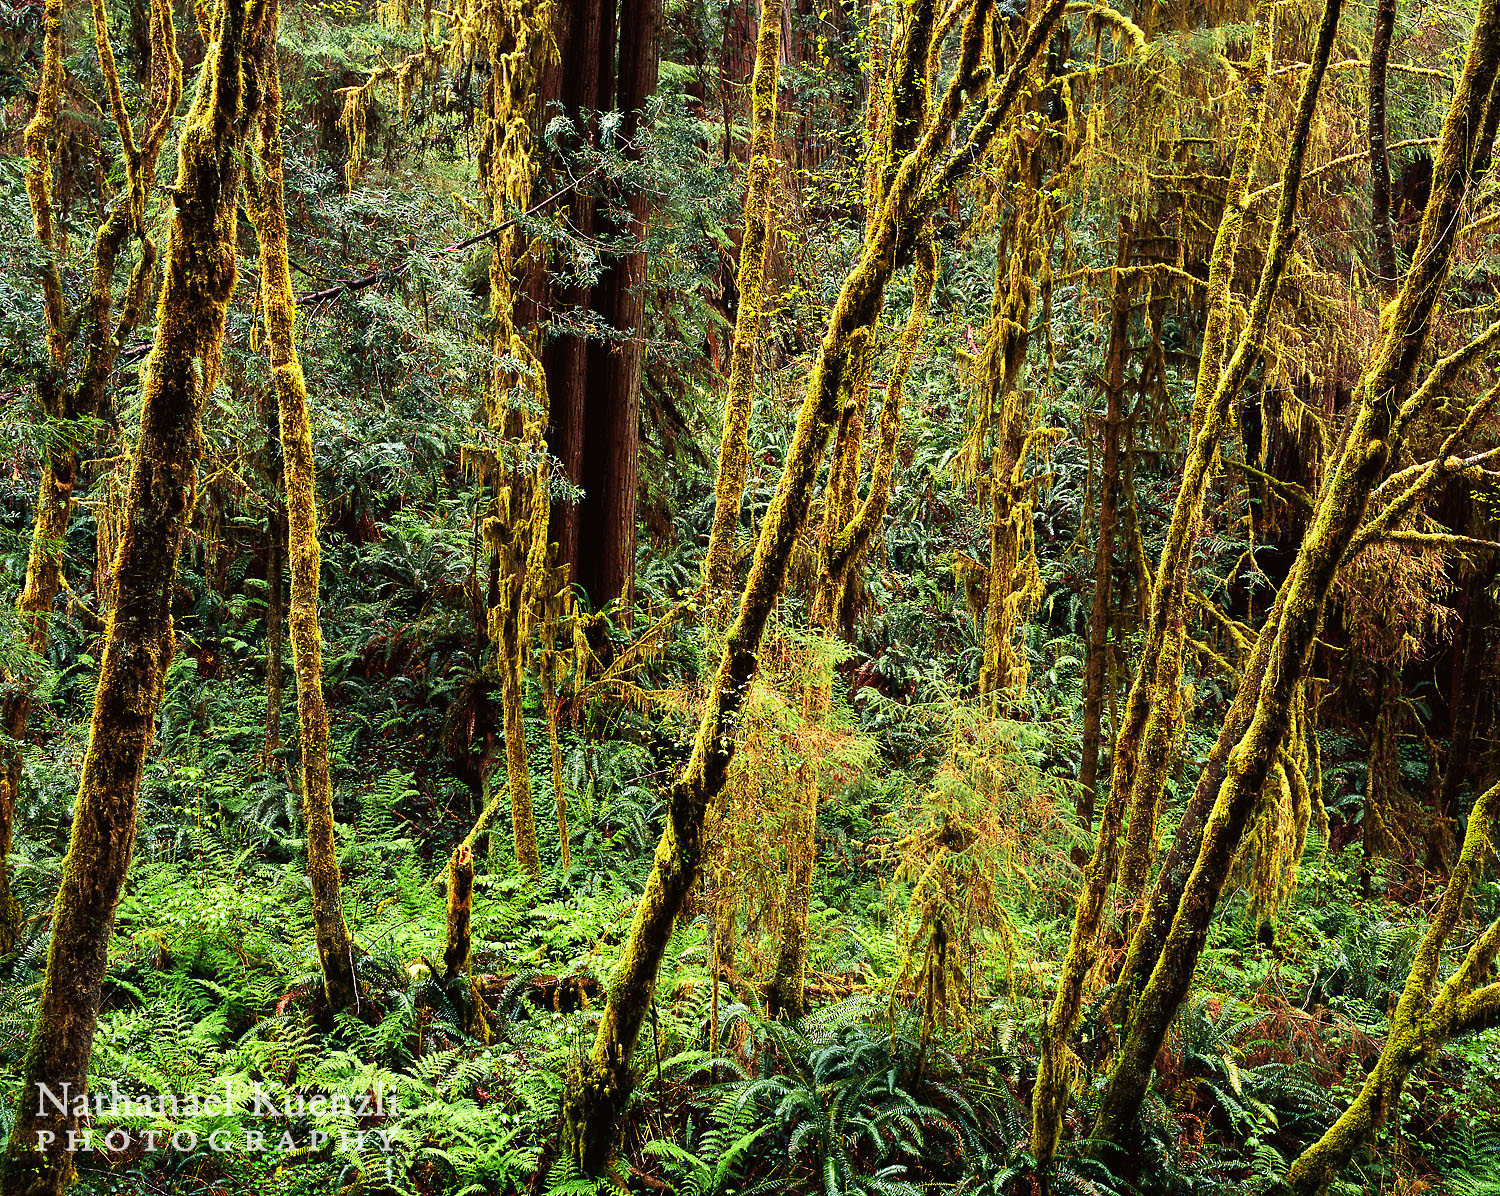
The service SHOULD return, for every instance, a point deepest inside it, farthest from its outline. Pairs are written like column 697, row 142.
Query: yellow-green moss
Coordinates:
column 267, row 205
column 734, row 452
column 599, row 1086
column 138, row 638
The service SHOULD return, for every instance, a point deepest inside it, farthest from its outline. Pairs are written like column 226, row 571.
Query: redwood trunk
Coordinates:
column 581, row 82
column 606, row 536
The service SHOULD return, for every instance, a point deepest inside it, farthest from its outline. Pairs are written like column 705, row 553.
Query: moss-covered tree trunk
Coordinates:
column 599, row 1088
column 517, row 761
column 515, row 34
column 138, row 640
column 850, row 524
column 268, row 213
column 1255, row 731
column 1007, row 416
column 275, row 616
column 1108, row 492
column 82, row 345
column 1153, row 709
column 848, row 529
column 734, row 448
column 1423, row 1020
column 786, row 993
column 1380, row 162
column 460, row 904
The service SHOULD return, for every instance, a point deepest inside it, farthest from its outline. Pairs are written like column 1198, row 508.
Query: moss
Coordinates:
column 849, row 530
column 1153, row 706
column 39, row 176
column 598, row 1089
column 1148, row 728
column 1261, row 717
column 1006, row 416
column 1108, row 504
column 734, row 452
column 65, row 400
column 267, row 205
column 138, row 639
column 1422, row 1021
column 786, row 993
column 460, row 901
column 275, row 616
column 553, row 665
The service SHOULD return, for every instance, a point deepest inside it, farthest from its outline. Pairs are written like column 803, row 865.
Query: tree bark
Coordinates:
column 581, row 82
column 268, row 213
column 1380, row 162
column 786, row 995
column 65, row 399
column 599, row 1087
column 734, row 449
column 138, row 640
column 275, row 600
column 1255, row 730
column 611, row 448
column 1109, row 491
column 1153, row 709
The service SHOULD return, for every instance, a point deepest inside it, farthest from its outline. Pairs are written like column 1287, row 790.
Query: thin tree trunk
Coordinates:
column 517, row 766
column 847, row 533
column 516, row 532
column 268, row 213
column 275, row 533
column 1420, row 1025
column 786, row 994
column 460, row 902
column 734, row 449
column 1381, row 761
column 138, row 641
column 851, row 526
column 559, row 795
column 1138, row 770
column 1461, row 717
column 1380, row 163
column 1109, row 491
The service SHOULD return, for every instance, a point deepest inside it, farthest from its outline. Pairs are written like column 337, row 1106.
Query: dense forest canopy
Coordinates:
column 737, row 596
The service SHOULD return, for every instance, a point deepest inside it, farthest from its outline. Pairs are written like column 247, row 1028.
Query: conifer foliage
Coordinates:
column 977, row 521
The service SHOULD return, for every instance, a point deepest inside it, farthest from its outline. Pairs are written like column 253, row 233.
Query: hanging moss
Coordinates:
column 1261, row 716
column 1153, row 710
column 599, row 1086
column 1423, row 1021
column 82, row 345
column 786, row 993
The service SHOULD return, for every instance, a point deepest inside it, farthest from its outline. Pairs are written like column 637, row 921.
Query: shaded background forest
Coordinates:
column 855, row 998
